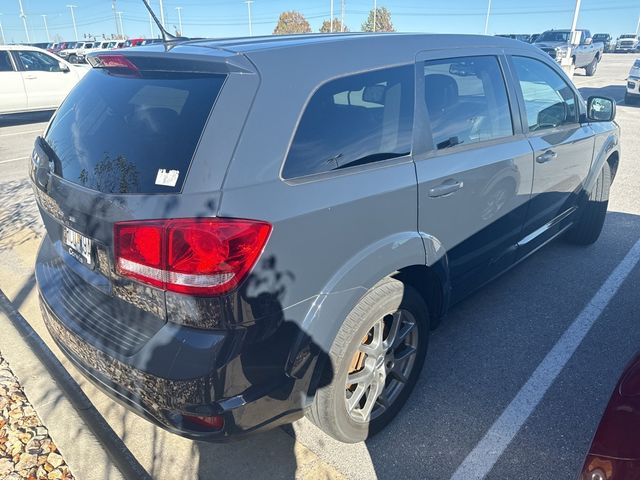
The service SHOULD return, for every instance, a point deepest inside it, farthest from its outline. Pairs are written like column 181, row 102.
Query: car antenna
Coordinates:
column 166, row 36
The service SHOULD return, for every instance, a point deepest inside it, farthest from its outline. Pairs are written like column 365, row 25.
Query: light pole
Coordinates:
column 342, row 15
column 150, row 19
column 375, row 14
column 121, row 27
column 638, row 26
column 331, row 16
column 249, row 2
column 73, row 19
column 46, row 27
column 179, row 9
column 115, row 17
column 486, row 22
column 162, row 12
column 24, row 21
column 574, row 24
column 2, row 32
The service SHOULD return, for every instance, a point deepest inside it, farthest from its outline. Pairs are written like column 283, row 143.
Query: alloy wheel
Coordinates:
column 381, row 366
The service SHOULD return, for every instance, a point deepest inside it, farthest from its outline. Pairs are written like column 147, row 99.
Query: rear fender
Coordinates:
column 345, row 289
column 606, row 145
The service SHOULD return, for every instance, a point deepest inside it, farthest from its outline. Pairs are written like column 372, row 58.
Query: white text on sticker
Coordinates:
column 168, row 178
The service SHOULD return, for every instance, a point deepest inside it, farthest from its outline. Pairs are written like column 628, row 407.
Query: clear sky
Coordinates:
column 212, row 18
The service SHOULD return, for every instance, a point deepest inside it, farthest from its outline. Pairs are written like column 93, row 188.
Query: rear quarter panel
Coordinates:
column 334, row 234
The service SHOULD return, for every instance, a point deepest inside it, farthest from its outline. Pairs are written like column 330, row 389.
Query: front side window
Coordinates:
column 548, row 100
column 37, row 61
column 354, row 120
column 5, row 62
column 466, row 100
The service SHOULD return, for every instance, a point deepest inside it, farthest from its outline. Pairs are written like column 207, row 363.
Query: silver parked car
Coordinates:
column 234, row 241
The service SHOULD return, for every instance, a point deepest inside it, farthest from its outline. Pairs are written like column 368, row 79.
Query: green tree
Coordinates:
column 382, row 21
column 337, row 26
column 292, row 22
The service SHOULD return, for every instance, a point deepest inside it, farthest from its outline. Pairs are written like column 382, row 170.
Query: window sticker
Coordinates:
column 167, row 178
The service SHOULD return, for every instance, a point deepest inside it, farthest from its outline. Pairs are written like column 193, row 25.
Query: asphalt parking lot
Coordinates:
column 479, row 359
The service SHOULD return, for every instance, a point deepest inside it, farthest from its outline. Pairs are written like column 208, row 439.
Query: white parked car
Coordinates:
column 113, row 44
column 633, row 84
column 627, row 43
column 75, row 54
column 32, row 79
column 96, row 47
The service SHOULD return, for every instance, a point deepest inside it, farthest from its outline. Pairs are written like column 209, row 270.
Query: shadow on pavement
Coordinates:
column 19, row 218
column 487, row 347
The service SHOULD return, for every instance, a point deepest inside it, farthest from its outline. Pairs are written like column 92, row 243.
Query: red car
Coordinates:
column 615, row 450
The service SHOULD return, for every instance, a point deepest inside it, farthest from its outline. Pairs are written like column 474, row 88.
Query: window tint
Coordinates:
column 549, row 101
column 354, row 120
column 5, row 62
column 466, row 100
column 37, row 61
column 119, row 134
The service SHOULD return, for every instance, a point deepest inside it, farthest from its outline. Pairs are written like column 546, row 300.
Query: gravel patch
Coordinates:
column 26, row 449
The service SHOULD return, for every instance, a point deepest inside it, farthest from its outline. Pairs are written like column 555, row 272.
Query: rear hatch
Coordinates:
column 119, row 149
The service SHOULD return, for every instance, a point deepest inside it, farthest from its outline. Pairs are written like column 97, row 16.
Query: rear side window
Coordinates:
column 548, row 100
column 354, row 120
column 119, row 134
column 466, row 100
column 5, row 62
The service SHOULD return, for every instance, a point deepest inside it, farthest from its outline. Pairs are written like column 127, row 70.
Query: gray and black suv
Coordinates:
column 243, row 231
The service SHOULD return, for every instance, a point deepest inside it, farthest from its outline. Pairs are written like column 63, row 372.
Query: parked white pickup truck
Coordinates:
column 627, row 43
column 582, row 51
column 33, row 79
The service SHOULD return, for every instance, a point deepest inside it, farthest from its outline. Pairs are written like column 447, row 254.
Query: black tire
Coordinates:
column 329, row 410
column 589, row 225
column 73, row 58
column 592, row 67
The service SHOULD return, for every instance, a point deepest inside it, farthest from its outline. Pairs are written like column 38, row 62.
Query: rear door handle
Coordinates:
column 30, row 77
column 546, row 156
column 446, row 188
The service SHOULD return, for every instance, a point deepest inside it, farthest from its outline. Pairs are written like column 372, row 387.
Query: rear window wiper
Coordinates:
column 52, row 157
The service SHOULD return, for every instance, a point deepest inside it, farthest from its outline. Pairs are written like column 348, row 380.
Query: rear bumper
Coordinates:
column 633, row 86
column 179, row 371
column 164, row 402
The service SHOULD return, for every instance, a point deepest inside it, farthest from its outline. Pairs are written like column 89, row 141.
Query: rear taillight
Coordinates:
column 207, row 256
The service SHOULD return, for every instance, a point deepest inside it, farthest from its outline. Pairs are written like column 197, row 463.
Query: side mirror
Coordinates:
column 588, row 41
column 64, row 67
column 601, row 109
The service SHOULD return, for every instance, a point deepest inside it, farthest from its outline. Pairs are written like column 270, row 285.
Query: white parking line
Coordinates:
column 13, row 160
column 487, row 452
column 21, row 133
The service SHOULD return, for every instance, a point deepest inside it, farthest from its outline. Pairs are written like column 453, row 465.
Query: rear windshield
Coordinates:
column 119, row 134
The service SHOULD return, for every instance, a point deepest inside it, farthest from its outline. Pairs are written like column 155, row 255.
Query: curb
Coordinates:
column 89, row 445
